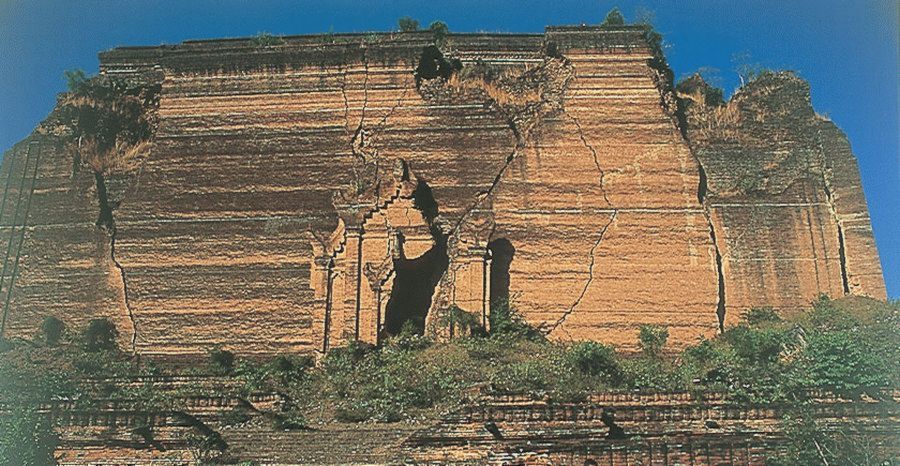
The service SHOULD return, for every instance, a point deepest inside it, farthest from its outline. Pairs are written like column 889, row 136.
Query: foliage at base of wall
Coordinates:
column 846, row 346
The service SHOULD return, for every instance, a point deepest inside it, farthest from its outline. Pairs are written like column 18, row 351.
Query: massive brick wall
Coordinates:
column 785, row 195
column 282, row 191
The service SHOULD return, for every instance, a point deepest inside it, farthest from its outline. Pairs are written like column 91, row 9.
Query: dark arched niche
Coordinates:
column 502, row 252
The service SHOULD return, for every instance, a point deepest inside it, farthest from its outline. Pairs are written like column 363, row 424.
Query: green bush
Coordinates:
column 100, row 335
column 651, row 373
column 844, row 362
column 761, row 317
column 52, row 329
column 759, row 347
column 527, row 377
column 26, row 438
column 76, row 79
column 506, row 321
column 235, row 416
column 440, row 31
column 104, row 364
column 407, row 24
column 826, row 316
column 291, row 420
column 614, row 18
column 409, row 338
column 652, row 339
column 289, row 365
column 265, row 39
column 595, row 359
column 221, row 361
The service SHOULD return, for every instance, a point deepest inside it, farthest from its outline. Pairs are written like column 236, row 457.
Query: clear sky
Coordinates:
column 847, row 50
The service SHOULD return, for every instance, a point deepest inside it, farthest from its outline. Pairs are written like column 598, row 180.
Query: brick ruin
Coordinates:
column 651, row 428
column 302, row 194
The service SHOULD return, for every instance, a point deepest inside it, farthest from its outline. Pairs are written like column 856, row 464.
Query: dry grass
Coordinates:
column 498, row 91
column 122, row 158
column 720, row 122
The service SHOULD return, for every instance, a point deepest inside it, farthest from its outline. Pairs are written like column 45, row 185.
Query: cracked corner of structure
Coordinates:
column 703, row 199
column 832, row 207
column 702, row 193
column 695, row 90
column 593, row 260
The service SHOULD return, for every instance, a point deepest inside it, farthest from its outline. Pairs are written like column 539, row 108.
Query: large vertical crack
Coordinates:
column 702, row 190
column 346, row 101
column 829, row 197
column 126, row 301
column 591, row 148
column 106, row 222
column 679, row 119
column 590, row 279
column 842, row 250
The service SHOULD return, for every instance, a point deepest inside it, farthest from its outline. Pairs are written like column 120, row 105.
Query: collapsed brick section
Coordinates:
column 283, row 180
column 784, row 195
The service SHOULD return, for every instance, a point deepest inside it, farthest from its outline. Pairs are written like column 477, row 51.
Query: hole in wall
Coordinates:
column 432, row 64
column 416, row 279
column 414, row 284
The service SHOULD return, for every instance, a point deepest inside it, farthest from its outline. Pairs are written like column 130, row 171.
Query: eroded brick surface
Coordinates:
column 282, row 193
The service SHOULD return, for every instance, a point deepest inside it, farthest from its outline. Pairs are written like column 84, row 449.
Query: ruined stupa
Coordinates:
column 304, row 192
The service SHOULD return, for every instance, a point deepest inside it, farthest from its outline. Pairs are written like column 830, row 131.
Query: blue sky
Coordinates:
column 847, row 50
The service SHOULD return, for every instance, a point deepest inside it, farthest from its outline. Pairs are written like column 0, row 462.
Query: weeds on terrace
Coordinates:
column 265, row 39
column 109, row 120
column 847, row 347
column 764, row 359
column 440, row 31
column 711, row 118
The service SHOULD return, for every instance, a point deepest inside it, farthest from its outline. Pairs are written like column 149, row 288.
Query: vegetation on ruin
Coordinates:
column 108, row 119
column 107, row 122
column 408, row 24
column 847, row 347
column 266, row 39
column 440, row 31
column 614, row 18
